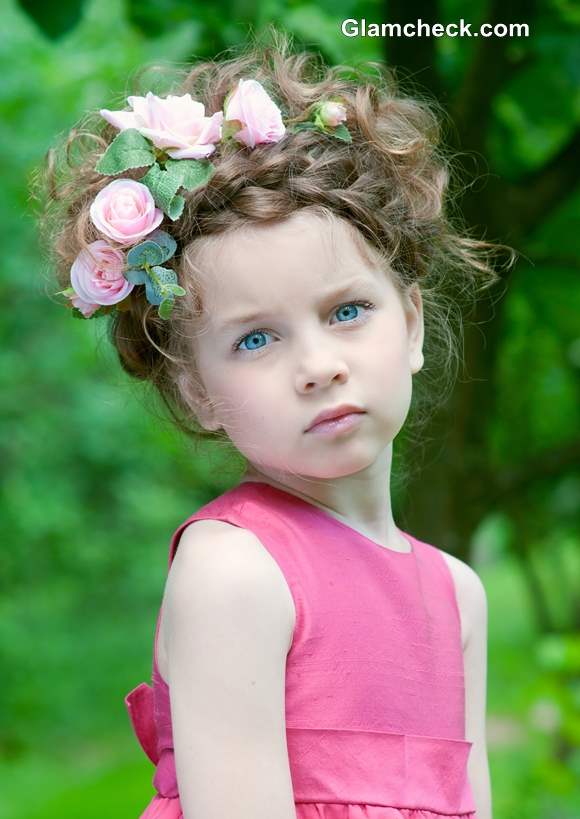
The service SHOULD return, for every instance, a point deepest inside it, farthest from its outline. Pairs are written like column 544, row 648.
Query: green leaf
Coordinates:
column 178, row 173
column 69, row 291
column 152, row 293
column 176, row 289
column 164, row 186
column 342, row 132
column 319, row 122
column 166, row 242
column 147, row 252
column 129, row 149
column 159, row 284
column 165, row 275
column 192, row 173
column 176, row 208
column 304, row 126
column 165, row 308
column 137, row 275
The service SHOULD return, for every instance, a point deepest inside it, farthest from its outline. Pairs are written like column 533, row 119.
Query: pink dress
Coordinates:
column 375, row 710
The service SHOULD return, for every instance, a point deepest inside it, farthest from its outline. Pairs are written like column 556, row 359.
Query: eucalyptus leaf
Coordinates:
column 136, row 275
column 157, row 284
column 146, row 252
column 166, row 242
column 153, row 297
column 176, row 289
column 166, row 274
column 129, row 149
column 166, row 308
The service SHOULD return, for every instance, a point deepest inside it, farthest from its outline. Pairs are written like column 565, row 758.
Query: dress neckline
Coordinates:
column 327, row 516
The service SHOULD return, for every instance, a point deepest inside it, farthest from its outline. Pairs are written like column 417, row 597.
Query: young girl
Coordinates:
column 270, row 244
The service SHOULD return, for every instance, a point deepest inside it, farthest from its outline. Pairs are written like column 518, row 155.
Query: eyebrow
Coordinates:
column 334, row 293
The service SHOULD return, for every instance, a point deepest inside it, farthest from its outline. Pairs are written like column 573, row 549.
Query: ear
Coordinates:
column 413, row 305
column 206, row 417
column 195, row 396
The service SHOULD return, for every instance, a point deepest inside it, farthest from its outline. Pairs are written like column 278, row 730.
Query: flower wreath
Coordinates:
column 173, row 138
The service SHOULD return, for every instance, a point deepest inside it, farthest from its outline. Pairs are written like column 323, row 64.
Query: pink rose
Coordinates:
column 332, row 113
column 258, row 113
column 178, row 125
column 86, row 308
column 125, row 211
column 97, row 277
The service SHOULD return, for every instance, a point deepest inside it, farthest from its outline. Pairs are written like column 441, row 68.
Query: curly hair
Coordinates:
column 391, row 183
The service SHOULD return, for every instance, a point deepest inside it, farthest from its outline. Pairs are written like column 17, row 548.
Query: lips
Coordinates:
column 336, row 412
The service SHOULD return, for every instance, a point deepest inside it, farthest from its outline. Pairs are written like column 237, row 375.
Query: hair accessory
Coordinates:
column 173, row 138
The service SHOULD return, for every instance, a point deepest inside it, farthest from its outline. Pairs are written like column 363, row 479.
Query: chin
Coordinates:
column 334, row 466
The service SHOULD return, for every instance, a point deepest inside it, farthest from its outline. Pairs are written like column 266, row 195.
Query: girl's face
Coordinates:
column 280, row 344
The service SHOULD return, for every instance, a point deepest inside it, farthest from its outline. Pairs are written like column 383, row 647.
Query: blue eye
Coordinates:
column 255, row 334
column 346, row 307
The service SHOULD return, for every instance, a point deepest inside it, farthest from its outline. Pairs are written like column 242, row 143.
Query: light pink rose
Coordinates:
column 97, row 277
column 332, row 113
column 86, row 308
column 258, row 113
column 125, row 211
column 178, row 125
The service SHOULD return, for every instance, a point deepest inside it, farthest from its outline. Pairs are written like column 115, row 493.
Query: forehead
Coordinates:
column 265, row 266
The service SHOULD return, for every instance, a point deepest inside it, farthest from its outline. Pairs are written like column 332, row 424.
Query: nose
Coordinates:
column 319, row 370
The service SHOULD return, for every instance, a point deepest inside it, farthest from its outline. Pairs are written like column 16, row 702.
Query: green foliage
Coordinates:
column 166, row 242
column 145, row 268
column 54, row 20
column 340, row 132
column 137, row 275
column 165, row 182
column 129, row 149
column 147, row 252
column 161, row 284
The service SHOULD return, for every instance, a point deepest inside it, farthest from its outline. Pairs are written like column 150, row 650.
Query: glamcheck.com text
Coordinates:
column 360, row 28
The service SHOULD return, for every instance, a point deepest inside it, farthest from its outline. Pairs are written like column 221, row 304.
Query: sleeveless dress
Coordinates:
column 374, row 703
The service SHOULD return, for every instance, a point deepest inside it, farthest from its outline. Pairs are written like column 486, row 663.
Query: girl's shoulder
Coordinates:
column 464, row 579
column 217, row 551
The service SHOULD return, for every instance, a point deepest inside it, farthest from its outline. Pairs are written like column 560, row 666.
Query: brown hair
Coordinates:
column 391, row 183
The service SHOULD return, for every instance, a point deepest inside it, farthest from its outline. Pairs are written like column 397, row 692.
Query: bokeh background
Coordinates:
column 95, row 479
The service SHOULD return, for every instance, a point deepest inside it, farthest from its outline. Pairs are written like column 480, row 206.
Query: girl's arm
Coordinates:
column 228, row 633
column 474, row 604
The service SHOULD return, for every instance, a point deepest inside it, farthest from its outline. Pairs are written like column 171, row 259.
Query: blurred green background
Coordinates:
column 94, row 483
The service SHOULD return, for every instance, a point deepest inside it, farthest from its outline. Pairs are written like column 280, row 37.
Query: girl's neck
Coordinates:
column 361, row 500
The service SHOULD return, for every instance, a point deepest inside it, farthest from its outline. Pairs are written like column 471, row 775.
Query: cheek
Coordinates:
column 387, row 359
column 242, row 397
